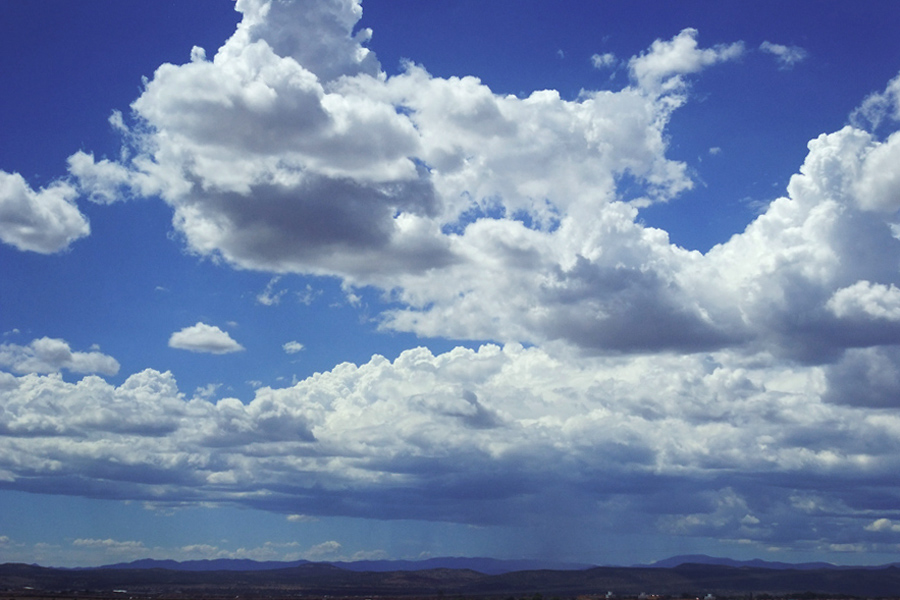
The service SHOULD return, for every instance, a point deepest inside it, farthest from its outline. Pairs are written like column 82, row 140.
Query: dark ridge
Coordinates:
column 703, row 559
column 490, row 566
column 322, row 579
column 218, row 564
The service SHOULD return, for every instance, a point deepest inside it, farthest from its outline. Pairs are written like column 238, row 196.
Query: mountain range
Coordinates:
column 688, row 580
column 488, row 566
column 684, row 576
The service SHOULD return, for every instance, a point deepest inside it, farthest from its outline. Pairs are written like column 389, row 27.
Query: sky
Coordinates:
column 331, row 280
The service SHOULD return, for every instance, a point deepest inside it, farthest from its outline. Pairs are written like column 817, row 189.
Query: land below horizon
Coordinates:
column 143, row 579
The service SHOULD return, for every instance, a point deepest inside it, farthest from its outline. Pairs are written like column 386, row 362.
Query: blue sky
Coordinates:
column 331, row 280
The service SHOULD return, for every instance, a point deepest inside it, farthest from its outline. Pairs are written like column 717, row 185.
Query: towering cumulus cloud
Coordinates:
column 632, row 384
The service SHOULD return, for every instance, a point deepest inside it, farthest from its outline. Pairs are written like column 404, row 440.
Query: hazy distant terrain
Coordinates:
column 490, row 566
column 687, row 579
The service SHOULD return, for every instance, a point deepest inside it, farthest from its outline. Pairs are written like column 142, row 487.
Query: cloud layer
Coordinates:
column 700, row 444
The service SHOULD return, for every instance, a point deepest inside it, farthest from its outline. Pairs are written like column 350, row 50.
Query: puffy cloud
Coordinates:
column 787, row 56
column 279, row 156
column 814, row 273
column 662, row 66
column 204, row 338
column 867, row 300
column 44, row 221
column 48, row 355
column 883, row 525
column 292, row 347
column 317, row 35
column 698, row 443
column 487, row 217
column 323, row 550
column 283, row 174
column 878, row 186
column 437, row 190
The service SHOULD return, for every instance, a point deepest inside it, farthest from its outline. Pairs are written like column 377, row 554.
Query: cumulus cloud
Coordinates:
column 43, row 221
column 787, row 56
column 883, row 525
column 323, row 550
column 866, row 300
column 204, row 338
column 276, row 155
column 49, row 355
column 664, row 64
column 292, row 347
column 493, row 436
column 662, row 388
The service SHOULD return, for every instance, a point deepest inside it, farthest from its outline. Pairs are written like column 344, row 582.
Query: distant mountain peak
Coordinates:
column 703, row 559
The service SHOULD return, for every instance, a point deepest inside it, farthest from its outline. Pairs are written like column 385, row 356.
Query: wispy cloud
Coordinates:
column 787, row 56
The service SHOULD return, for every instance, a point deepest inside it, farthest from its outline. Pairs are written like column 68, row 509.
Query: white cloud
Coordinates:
column 604, row 61
column 301, row 519
column 341, row 193
column 204, row 338
column 269, row 297
column 654, row 437
column 317, row 35
column 208, row 391
column 110, row 545
column 48, row 355
column 324, row 550
column 105, row 182
column 453, row 198
column 656, row 381
column 878, row 107
column 883, row 525
column 787, row 56
column 662, row 66
column 292, row 347
column 866, row 300
column 45, row 221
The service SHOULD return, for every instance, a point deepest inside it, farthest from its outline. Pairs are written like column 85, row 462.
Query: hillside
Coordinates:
column 324, row 579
